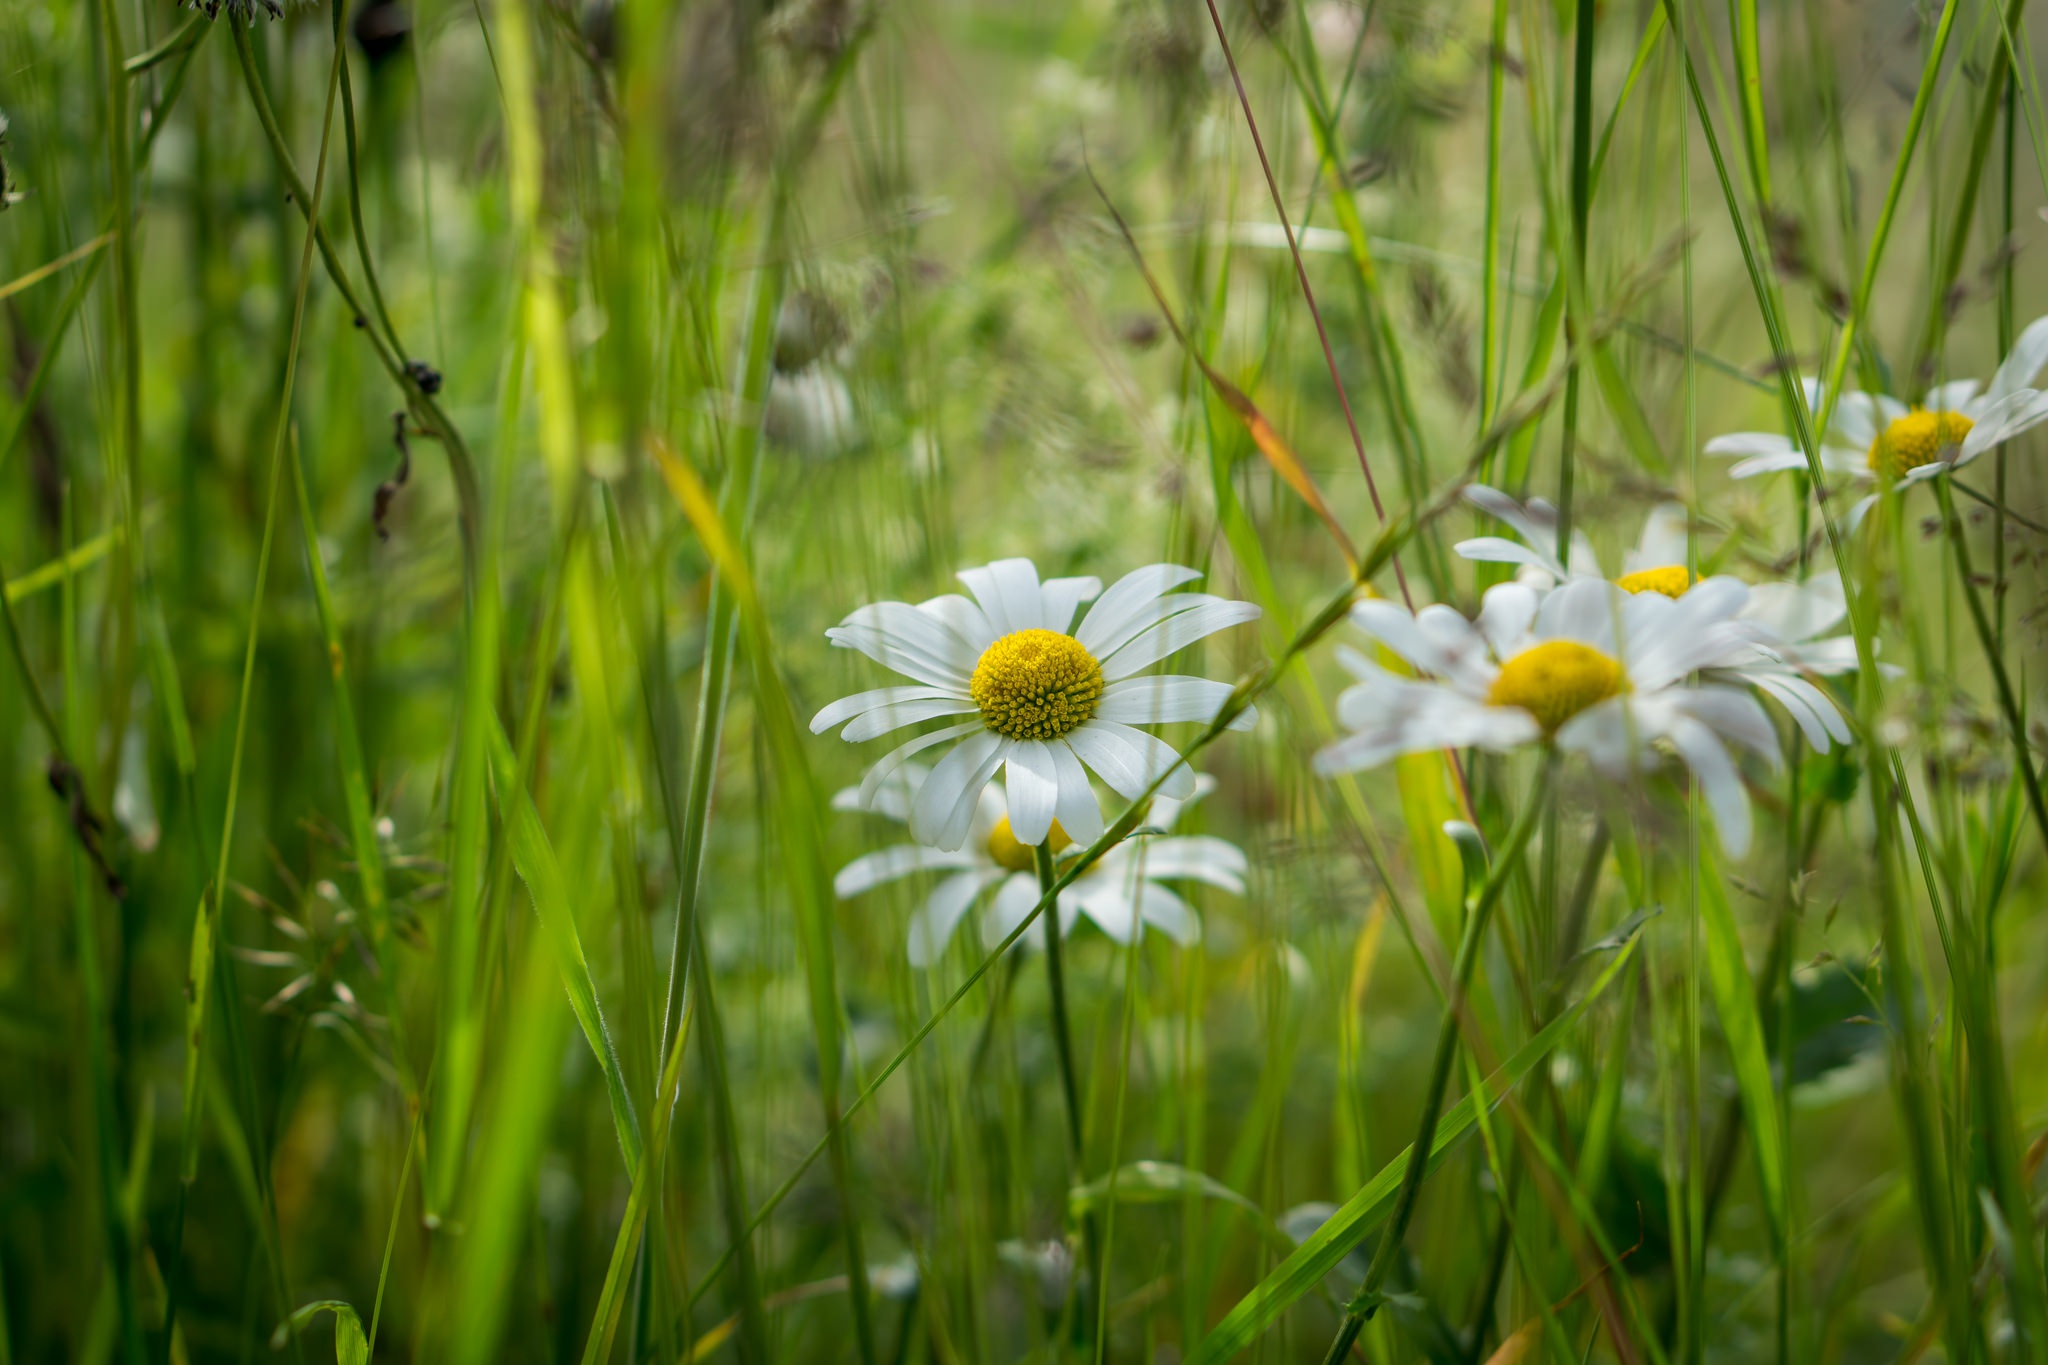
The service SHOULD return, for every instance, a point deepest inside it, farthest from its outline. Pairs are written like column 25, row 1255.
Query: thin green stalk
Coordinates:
column 85, row 893
column 1581, row 207
column 1070, row 1088
column 1368, row 1298
column 1492, row 336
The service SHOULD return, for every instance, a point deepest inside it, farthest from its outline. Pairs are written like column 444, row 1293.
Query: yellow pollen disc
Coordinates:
column 1036, row 684
column 1007, row 852
column 1556, row 680
column 1672, row 580
column 1916, row 439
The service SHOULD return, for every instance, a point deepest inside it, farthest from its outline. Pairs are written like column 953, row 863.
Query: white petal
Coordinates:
column 1169, row 914
column 943, row 806
column 1857, row 513
column 1175, row 633
column 1014, row 900
column 1861, row 416
column 1585, row 610
column 1500, row 550
column 1106, row 901
column 966, row 620
column 1808, row 706
column 1104, row 626
column 885, row 772
column 1732, row 714
column 2003, row 420
column 1162, row 698
column 891, row 797
column 1008, row 592
column 899, row 636
column 1753, row 443
column 1612, row 737
column 2029, row 353
column 1079, row 813
column 1793, row 612
column 1063, row 596
column 846, row 708
column 1953, row 396
column 882, row 720
column 1663, row 541
column 931, row 928
column 1392, row 716
column 1768, row 464
column 1195, row 857
column 888, row 864
column 1130, row 760
column 1032, row 790
column 1505, row 615
column 1536, row 523
column 1719, row 782
column 1439, row 648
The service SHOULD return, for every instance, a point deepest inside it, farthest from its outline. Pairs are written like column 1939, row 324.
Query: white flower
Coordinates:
column 1789, row 617
column 1121, row 891
column 1589, row 668
column 1884, row 438
column 1048, row 707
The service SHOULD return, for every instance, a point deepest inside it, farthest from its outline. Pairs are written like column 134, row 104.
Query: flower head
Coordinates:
column 1876, row 438
column 1122, row 892
column 1788, row 619
column 1588, row 669
column 1048, row 702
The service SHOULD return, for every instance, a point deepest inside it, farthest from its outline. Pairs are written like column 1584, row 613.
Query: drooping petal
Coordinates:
column 944, row 805
column 897, row 759
column 1164, row 910
column 1079, row 813
column 1013, row 901
column 1719, row 782
column 1809, row 707
column 1033, row 790
column 931, row 928
column 1130, row 760
column 1195, row 857
column 888, row 864
column 2002, row 420
column 1104, row 626
column 1733, row 714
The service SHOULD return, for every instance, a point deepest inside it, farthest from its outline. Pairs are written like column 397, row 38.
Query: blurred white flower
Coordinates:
column 1120, row 892
column 810, row 411
column 1789, row 617
column 1885, row 439
column 1588, row 668
column 1047, row 706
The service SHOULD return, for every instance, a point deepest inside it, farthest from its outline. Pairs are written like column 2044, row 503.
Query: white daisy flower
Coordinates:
column 1120, row 892
column 1589, row 668
column 1882, row 438
column 1789, row 617
column 1048, row 706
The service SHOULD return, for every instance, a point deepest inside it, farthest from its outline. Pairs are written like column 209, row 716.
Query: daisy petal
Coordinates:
column 940, row 812
column 1500, row 550
column 1014, row 900
column 884, row 772
column 931, row 928
column 899, row 636
column 1162, row 698
column 1505, row 615
column 1197, row 858
column 1078, row 812
column 1719, row 782
column 889, row 864
column 1585, row 610
column 1165, row 911
column 1033, row 790
column 1176, row 633
column 1104, row 626
column 883, row 719
column 1952, row 396
column 1752, row 443
column 1063, row 596
column 1130, row 760
column 1663, row 541
column 2029, row 352
column 1008, row 591
column 846, row 708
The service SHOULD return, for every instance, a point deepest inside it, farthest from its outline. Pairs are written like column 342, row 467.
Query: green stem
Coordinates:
column 1446, row 1054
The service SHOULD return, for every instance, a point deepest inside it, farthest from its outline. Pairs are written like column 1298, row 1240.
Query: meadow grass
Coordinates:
column 438, row 436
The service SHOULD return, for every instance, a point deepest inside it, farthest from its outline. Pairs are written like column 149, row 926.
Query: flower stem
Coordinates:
column 1440, row 1067
column 1063, row 1043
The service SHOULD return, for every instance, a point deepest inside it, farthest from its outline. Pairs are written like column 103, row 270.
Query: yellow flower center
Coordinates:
column 1916, row 439
column 1036, row 684
column 1672, row 580
column 1556, row 680
column 1007, row 852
